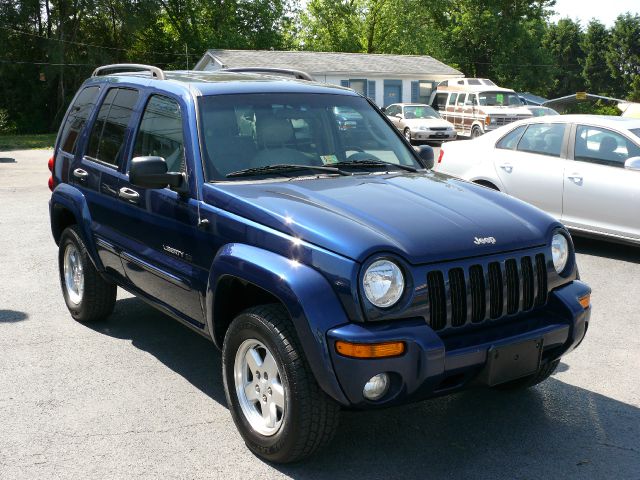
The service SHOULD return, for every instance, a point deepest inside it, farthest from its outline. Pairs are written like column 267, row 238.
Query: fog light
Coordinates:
column 376, row 387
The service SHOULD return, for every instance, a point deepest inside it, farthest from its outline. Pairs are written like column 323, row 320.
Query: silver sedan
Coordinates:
column 420, row 122
column 582, row 169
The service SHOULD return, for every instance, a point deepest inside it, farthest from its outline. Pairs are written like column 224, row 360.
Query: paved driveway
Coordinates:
column 141, row 396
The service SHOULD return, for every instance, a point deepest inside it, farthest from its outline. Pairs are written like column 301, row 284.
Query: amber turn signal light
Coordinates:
column 585, row 301
column 370, row 350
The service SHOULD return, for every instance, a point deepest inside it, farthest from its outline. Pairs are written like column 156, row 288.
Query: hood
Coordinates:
column 423, row 217
column 428, row 122
column 520, row 111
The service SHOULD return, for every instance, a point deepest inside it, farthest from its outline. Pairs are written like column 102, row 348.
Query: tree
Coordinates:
column 595, row 71
column 562, row 41
column 623, row 56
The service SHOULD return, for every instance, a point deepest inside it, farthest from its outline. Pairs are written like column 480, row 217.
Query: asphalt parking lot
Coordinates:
column 141, row 396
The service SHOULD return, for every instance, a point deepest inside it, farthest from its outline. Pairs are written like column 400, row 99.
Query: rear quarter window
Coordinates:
column 77, row 118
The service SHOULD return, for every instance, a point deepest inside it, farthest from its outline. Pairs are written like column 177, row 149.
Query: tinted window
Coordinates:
column 453, row 98
column 599, row 145
column 77, row 117
column 440, row 101
column 107, row 136
column 461, row 98
column 635, row 131
column 543, row 138
column 510, row 140
column 160, row 133
column 257, row 130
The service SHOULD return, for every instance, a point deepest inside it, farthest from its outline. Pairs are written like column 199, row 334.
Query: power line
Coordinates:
column 92, row 45
column 21, row 62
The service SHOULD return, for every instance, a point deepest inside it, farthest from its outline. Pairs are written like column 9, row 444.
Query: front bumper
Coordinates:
column 435, row 136
column 435, row 364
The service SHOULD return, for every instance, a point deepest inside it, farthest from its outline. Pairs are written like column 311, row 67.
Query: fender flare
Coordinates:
column 72, row 199
column 306, row 294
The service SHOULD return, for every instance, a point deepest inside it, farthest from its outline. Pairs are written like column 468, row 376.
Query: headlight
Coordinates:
column 559, row 252
column 383, row 283
column 423, row 128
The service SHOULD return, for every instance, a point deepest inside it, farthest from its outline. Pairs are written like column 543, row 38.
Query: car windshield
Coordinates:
column 499, row 99
column 251, row 131
column 420, row 111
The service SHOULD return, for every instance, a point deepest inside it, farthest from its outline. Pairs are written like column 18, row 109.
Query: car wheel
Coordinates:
column 407, row 134
column 540, row 376
column 476, row 132
column 89, row 297
column 276, row 403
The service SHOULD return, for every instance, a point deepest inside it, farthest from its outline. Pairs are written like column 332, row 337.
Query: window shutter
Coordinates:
column 415, row 91
column 344, row 83
column 371, row 90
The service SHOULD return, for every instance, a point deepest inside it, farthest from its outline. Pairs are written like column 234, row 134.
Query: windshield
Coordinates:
column 250, row 131
column 499, row 99
column 420, row 111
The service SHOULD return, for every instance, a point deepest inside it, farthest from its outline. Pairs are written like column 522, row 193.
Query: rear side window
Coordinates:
column 77, row 117
column 510, row 140
column 543, row 138
column 461, row 98
column 453, row 98
column 106, row 142
column 160, row 133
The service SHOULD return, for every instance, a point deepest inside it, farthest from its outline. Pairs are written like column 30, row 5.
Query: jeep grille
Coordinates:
column 486, row 291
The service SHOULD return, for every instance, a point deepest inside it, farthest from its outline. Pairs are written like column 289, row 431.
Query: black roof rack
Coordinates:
column 300, row 75
column 127, row 68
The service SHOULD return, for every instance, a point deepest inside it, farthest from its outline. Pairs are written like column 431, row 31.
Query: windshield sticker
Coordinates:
column 329, row 159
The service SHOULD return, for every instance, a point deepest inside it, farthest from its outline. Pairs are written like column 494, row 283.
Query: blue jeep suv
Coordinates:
column 329, row 263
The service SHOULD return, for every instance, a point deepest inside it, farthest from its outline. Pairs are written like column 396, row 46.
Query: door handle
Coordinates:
column 80, row 174
column 507, row 167
column 575, row 178
column 129, row 194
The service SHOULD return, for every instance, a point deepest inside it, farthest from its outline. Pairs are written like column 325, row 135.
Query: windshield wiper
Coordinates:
column 371, row 162
column 284, row 167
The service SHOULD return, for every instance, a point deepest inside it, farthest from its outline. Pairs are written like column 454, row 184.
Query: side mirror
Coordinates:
column 383, row 109
column 632, row 163
column 398, row 115
column 151, row 172
column 425, row 152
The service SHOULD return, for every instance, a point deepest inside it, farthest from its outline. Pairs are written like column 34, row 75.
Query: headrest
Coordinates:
column 608, row 144
column 221, row 123
column 273, row 131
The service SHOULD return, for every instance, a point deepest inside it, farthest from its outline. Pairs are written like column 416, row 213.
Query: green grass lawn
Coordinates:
column 25, row 142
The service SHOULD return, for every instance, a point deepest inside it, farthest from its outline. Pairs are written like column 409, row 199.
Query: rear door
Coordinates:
column 533, row 171
column 96, row 172
column 600, row 195
column 160, row 225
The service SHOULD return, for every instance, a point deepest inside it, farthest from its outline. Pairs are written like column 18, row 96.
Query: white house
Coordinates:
column 386, row 79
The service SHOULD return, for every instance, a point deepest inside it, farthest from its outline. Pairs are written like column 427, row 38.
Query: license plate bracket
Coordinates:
column 510, row 362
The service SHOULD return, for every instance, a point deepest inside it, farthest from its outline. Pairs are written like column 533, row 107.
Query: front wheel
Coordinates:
column 476, row 132
column 407, row 134
column 276, row 404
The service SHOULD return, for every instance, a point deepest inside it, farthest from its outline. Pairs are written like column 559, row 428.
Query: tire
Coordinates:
column 95, row 300
column 527, row 382
column 407, row 134
column 475, row 132
column 306, row 418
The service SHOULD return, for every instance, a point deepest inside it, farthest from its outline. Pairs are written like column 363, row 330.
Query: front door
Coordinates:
column 600, row 195
column 392, row 92
column 161, row 224
column 533, row 172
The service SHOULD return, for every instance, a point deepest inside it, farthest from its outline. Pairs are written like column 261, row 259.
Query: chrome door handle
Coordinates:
column 80, row 173
column 129, row 194
column 507, row 167
column 575, row 178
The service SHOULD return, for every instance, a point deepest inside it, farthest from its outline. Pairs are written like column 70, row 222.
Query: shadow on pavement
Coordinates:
column 555, row 430
column 12, row 316
column 608, row 249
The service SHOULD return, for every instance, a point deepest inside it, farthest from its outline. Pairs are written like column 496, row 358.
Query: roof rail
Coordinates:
column 127, row 67
column 300, row 75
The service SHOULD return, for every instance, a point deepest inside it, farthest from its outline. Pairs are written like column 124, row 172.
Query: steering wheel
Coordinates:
column 348, row 148
column 361, row 155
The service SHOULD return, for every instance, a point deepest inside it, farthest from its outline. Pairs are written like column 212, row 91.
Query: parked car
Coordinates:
column 541, row 111
column 332, row 270
column 582, row 169
column 420, row 122
column 477, row 105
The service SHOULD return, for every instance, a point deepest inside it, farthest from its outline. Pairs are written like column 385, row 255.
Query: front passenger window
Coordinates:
column 160, row 133
column 543, row 139
column 599, row 145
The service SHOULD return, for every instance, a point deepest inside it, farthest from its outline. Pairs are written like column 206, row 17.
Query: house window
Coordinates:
column 425, row 88
column 359, row 86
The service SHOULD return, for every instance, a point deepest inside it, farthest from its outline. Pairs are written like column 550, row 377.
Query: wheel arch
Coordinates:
column 306, row 295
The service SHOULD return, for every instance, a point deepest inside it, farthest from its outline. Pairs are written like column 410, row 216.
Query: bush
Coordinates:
column 7, row 127
column 594, row 108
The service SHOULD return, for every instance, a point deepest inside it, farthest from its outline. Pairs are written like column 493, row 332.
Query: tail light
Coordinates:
column 441, row 155
column 51, row 164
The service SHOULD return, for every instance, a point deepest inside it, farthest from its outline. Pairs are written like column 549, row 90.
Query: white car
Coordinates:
column 420, row 122
column 582, row 169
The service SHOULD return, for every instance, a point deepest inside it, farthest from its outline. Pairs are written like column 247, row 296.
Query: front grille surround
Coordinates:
column 487, row 290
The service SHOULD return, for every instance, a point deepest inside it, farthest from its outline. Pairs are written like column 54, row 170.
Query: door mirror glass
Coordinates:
column 632, row 163
column 425, row 152
column 151, row 172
